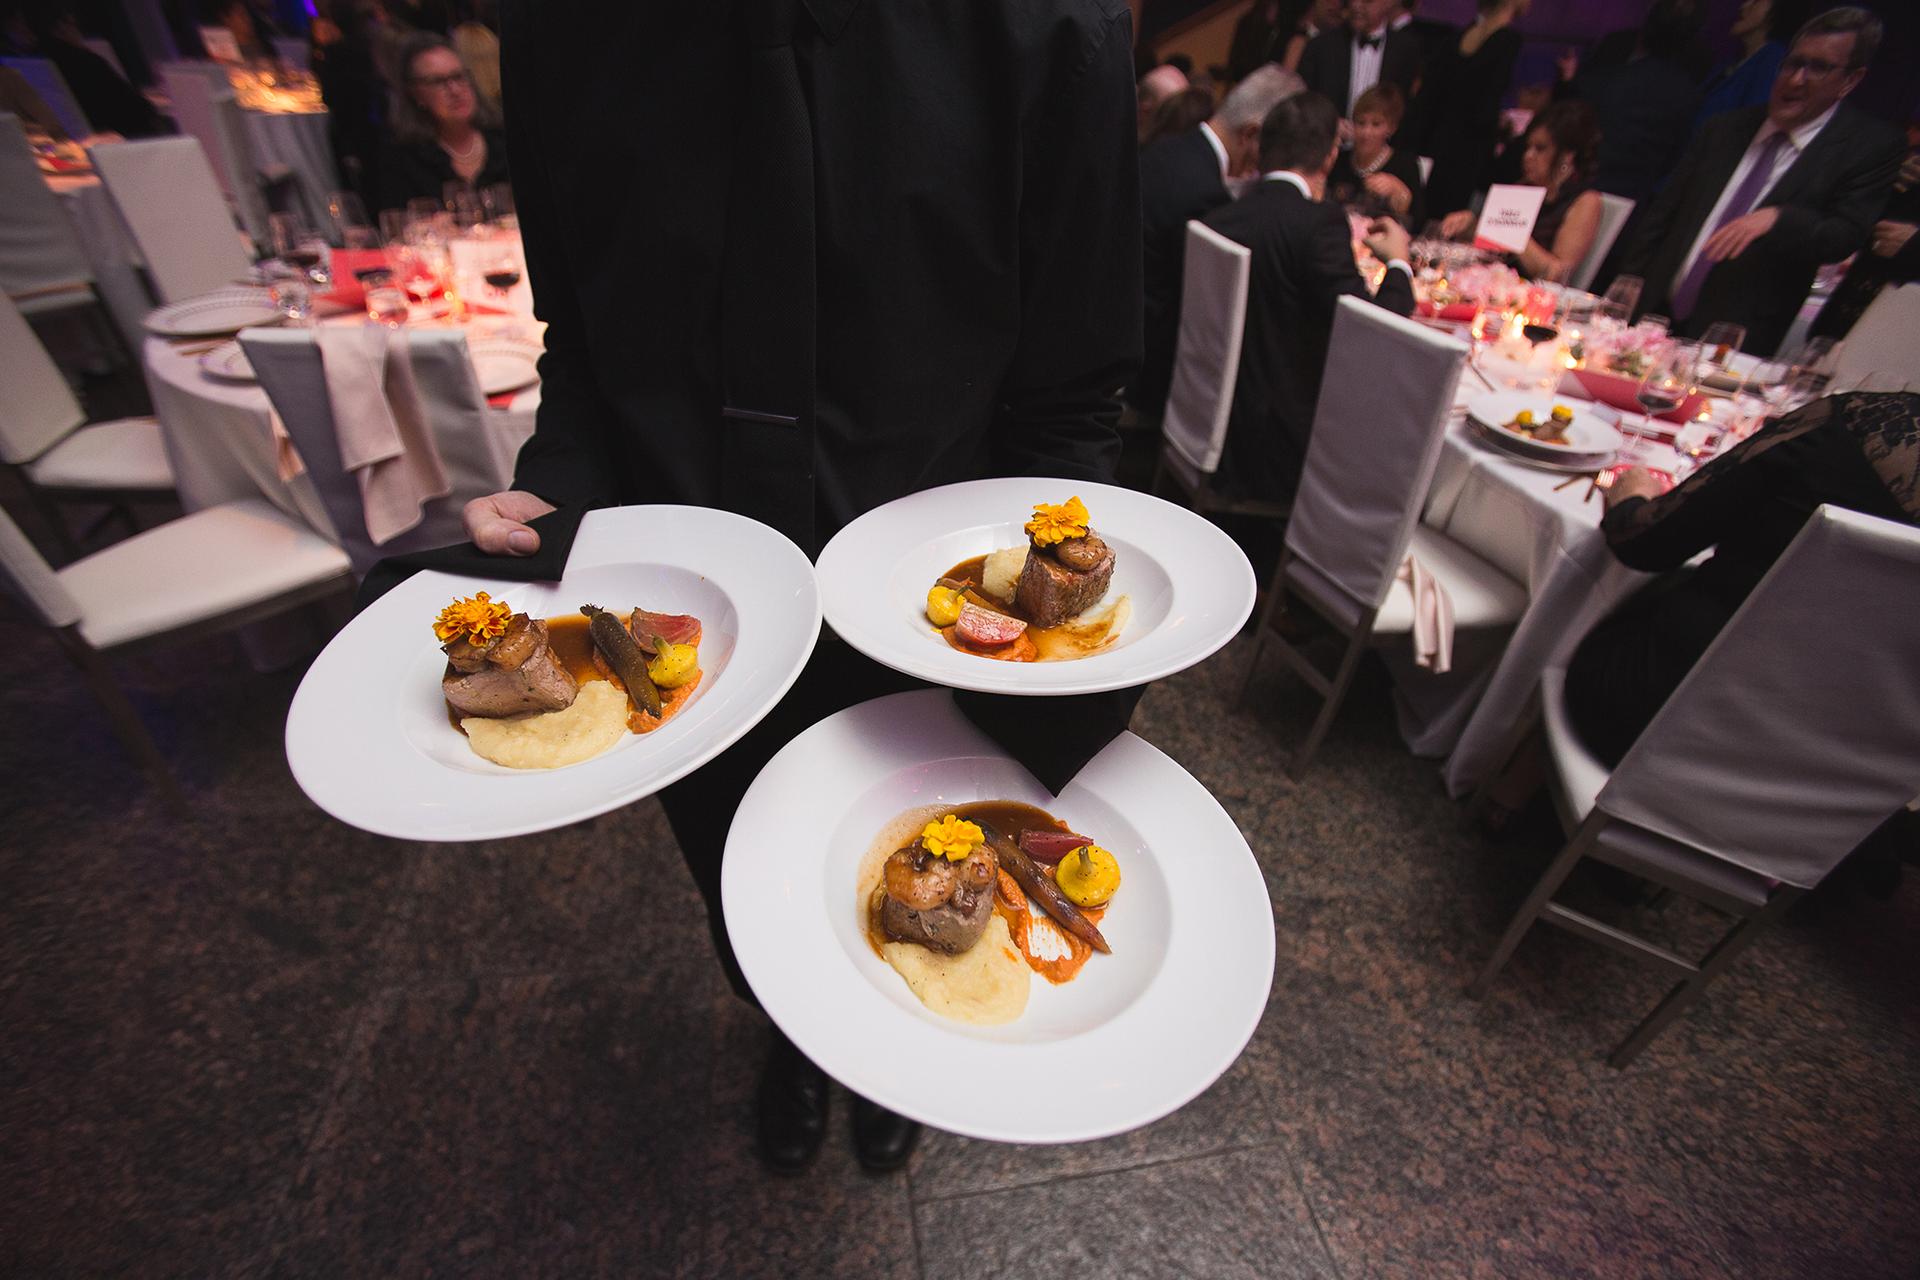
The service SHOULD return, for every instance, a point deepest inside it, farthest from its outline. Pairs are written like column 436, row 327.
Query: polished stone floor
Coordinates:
column 261, row 1043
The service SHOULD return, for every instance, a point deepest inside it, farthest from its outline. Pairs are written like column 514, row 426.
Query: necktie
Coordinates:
column 1739, row 204
column 767, row 316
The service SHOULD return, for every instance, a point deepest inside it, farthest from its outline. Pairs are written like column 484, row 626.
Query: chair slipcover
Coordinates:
column 1213, row 314
column 29, row 576
column 52, row 88
column 1885, row 340
column 39, row 253
column 37, row 408
column 166, row 192
column 1377, row 431
column 1614, row 211
column 1798, row 732
column 288, row 364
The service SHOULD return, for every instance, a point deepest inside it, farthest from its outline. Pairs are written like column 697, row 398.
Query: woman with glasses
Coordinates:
column 441, row 130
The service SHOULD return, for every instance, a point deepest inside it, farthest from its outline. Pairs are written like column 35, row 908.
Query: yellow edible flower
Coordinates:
column 1051, row 524
column 1561, row 413
column 952, row 838
column 479, row 619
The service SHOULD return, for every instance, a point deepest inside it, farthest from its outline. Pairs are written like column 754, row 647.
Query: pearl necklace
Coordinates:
column 1368, row 170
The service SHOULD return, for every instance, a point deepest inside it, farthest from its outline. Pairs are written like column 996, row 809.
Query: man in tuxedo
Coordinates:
column 1182, row 178
column 1765, row 195
column 796, row 305
column 1342, row 64
column 1302, row 266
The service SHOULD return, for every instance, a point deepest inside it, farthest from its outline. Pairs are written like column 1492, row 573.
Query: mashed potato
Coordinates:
column 553, row 739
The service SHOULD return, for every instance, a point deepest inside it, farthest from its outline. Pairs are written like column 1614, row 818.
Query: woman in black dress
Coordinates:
column 1376, row 177
column 442, row 132
column 1860, row 451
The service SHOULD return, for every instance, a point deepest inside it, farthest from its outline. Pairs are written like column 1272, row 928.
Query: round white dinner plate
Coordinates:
column 1589, row 440
column 502, row 365
column 1191, row 587
column 1135, row 1036
column 368, row 737
column 222, row 311
column 228, row 363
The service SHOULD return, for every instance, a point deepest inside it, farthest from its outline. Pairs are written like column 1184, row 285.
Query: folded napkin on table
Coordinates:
column 1432, row 617
column 381, row 426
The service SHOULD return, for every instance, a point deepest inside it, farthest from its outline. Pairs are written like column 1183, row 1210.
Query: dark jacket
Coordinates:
column 410, row 170
column 1302, row 266
column 978, row 295
column 1179, row 180
column 1326, row 64
column 1828, row 201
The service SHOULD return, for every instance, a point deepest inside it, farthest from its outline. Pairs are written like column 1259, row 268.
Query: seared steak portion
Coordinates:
column 1050, row 592
column 514, row 674
column 952, row 927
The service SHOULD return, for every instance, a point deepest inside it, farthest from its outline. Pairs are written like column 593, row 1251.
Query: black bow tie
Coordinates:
column 1369, row 42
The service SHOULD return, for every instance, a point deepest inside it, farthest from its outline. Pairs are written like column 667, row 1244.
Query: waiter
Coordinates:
column 833, row 253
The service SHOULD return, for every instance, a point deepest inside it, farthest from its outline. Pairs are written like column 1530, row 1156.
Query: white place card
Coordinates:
column 1507, row 218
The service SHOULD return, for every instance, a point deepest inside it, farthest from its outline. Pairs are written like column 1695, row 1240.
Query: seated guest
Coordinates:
column 1185, row 177
column 1761, row 28
column 1154, row 88
column 1765, row 196
column 1376, row 176
column 1344, row 63
column 1859, row 451
column 441, row 132
column 1559, row 156
column 1302, row 266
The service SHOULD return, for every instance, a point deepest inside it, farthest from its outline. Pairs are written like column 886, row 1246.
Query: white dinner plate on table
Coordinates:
column 211, row 314
column 1136, row 1035
column 502, row 365
column 228, row 363
column 1590, row 441
column 1190, row 586
column 368, row 737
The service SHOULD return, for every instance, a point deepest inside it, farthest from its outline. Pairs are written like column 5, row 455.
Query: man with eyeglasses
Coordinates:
column 1765, row 196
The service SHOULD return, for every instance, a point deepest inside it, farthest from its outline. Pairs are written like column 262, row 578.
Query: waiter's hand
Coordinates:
column 1733, row 239
column 1890, row 238
column 1387, row 240
column 497, row 523
column 1634, row 482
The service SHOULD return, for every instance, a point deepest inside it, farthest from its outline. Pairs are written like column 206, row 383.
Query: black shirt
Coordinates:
column 977, row 227
column 411, row 170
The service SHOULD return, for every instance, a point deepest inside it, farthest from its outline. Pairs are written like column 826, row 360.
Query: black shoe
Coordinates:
column 881, row 1139
column 793, row 1108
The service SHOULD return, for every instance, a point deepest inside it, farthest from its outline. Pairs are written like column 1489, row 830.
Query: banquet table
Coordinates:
column 118, row 270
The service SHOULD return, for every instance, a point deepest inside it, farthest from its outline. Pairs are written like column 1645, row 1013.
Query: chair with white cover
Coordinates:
column 42, row 264
column 45, row 436
column 1614, row 212
column 206, row 573
column 1882, row 350
column 1206, row 367
column 166, row 192
column 46, row 80
column 477, row 459
column 1790, row 741
column 1378, row 428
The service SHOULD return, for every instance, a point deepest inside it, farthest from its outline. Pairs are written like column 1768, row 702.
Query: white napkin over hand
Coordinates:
column 1432, row 617
column 381, row 426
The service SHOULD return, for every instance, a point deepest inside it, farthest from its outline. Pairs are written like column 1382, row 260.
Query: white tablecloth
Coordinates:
column 297, row 139
column 116, row 262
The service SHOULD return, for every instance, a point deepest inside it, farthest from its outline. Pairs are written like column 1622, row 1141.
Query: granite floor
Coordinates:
column 263, row 1044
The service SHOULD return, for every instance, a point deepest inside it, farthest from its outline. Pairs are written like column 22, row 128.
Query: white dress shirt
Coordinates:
column 1797, row 142
column 1363, row 69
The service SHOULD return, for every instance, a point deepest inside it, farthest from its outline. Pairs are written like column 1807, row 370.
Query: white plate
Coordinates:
column 1589, row 440
column 228, row 363
column 368, row 737
column 1191, row 586
column 222, row 311
column 502, row 365
column 1135, row 1036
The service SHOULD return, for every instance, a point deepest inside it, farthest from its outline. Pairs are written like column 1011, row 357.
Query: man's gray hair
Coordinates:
column 1259, row 94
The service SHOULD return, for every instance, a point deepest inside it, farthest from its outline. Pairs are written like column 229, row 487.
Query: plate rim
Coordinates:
column 981, row 675
column 612, row 797
column 941, row 732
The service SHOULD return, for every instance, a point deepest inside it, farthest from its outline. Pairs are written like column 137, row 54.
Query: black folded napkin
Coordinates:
column 556, row 529
column 1052, row 737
